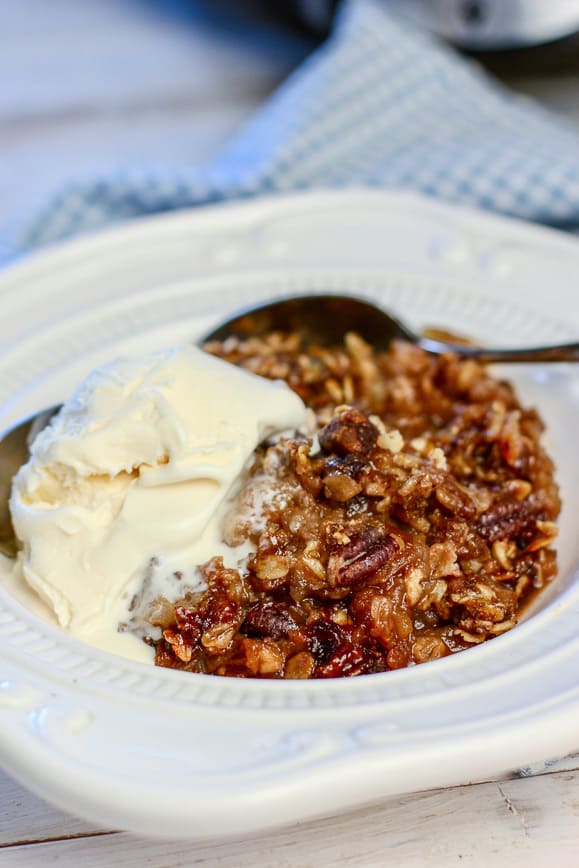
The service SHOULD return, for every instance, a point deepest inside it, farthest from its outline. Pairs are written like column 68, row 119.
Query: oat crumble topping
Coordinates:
column 418, row 522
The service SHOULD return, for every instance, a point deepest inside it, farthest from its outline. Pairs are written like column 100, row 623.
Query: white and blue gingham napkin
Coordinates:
column 380, row 104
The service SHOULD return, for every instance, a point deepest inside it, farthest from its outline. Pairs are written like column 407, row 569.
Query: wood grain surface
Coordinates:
column 517, row 823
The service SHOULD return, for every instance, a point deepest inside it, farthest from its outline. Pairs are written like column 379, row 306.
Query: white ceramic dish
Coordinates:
column 167, row 753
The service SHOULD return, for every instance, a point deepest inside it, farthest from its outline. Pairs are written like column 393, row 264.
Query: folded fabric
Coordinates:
column 379, row 103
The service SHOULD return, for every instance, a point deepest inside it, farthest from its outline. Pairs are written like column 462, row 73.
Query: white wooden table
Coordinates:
column 84, row 87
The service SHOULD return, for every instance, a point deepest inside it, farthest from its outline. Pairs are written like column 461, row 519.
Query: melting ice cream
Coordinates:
column 136, row 469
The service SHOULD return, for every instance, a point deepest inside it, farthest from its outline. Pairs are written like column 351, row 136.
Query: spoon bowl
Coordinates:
column 325, row 319
column 319, row 319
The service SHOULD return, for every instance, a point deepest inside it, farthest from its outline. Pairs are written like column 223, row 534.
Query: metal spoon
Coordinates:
column 325, row 319
column 321, row 319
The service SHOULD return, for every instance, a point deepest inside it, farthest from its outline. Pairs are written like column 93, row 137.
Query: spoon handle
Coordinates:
column 554, row 353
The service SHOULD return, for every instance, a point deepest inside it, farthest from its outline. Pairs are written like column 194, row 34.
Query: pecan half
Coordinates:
column 362, row 557
column 507, row 521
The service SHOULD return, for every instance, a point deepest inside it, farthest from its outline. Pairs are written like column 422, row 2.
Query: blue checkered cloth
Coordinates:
column 378, row 104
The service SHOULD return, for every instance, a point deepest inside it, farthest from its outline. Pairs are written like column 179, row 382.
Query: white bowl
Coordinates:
column 168, row 753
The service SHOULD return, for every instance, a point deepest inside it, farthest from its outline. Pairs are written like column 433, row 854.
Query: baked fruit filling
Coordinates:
column 416, row 520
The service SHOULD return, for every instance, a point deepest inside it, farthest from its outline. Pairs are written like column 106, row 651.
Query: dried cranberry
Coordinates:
column 190, row 624
column 323, row 639
column 221, row 610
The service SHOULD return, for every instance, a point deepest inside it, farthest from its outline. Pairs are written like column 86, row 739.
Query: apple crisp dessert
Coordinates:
column 416, row 520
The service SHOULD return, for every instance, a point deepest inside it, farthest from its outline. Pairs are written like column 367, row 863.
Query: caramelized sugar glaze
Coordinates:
column 416, row 521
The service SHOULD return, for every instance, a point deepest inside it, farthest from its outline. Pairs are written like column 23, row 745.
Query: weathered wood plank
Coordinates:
column 25, row 818
column 520, row 823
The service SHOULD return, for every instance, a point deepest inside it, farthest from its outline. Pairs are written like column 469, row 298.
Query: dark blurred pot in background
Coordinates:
column 531, row 35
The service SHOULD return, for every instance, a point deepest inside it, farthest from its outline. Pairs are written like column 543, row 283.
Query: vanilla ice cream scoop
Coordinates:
column 137, row 467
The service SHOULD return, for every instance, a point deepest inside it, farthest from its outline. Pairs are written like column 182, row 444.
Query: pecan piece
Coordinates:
column 270, row 618
column 301, row 665
column 343, row 477
column 182, row 650
column 485, row 602
column 455, row 498
column 349, row 433
column 429, row 645
column 507, row 521
column 362, row 557
column 263, row 657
